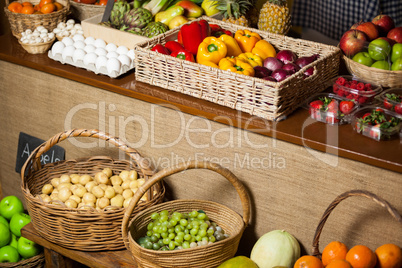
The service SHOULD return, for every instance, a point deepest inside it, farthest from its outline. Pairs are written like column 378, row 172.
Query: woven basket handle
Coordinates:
column 394, row 213
column 241, row 190
column 34, row 158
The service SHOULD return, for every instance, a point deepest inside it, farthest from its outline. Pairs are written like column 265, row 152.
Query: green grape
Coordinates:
column 164, row 212
column 163, row 218
column 185, row 244
column 149, row 233
column 178, row 239
column 148, row 245
column 195, row 223
column 150, row 226
column 171, row 236
column 156, row 246
column 164, row 235
column 160, row 243
column 202, row 233
column 155, row 215
column 194, row 231
column 164, row 248
column 190, row 226
column 201, row 216
column 204, row 226
column 164, row 229
column 158, row 235
column 186, row 231
column 205, row 238
column 210, row 232
column 183, row 222
column 198, row 237
column 172, row 245
column 141, row 240
column 180, row 234
column 165, row 224
column 154, row 238
column 187, row 237
column 171, row 230
column 178, row 228
column 173, row 222
column 193, row 214
column 211, row 238
column 166, row 240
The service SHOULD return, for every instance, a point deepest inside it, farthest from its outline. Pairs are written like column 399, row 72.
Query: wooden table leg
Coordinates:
column 54, row 259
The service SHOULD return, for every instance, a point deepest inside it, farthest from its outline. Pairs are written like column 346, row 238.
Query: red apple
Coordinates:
column 384, row 23
column 395, row 34
column 370, row 29
column 390, row 41
column 352, row 42
column 354, row 26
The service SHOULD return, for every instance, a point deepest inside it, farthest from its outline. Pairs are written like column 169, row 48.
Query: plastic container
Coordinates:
column 329, row 115
column 391, row 99
column 377, row 131
column 351, row 87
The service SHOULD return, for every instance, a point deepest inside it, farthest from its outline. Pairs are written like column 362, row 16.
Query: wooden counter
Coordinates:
column 293, row 168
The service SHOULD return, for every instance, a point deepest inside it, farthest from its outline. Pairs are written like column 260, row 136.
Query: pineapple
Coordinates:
column 274, row 17
column 234, row 11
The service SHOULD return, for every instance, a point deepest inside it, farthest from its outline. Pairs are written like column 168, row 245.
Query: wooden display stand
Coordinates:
column 57, row 256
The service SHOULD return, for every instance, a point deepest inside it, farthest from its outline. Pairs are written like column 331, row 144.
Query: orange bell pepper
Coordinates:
column 264, row 49
column 247, row 39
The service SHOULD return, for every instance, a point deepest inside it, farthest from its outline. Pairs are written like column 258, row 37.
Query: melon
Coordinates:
column 275, row 248
column 238, row 262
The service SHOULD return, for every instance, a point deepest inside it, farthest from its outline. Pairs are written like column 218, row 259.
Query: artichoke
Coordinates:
column 120, row 8
column 136, row 18
column 154, row 29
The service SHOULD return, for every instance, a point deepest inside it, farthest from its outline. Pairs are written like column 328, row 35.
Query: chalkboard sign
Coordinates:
column 27, row 143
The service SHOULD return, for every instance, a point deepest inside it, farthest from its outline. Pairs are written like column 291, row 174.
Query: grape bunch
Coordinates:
column 170, row 231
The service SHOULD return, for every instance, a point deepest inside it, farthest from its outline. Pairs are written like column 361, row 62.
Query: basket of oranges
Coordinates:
column 29, row 14
column 85, row 9
column 337, row 255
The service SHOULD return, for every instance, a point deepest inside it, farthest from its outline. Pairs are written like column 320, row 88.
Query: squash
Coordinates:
column 275, row 248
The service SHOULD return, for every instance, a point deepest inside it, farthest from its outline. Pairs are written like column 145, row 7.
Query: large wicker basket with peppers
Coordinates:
column 208, row 66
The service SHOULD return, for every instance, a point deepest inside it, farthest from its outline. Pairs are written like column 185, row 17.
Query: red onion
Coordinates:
column 286, row 56
column 269, row 78
column 261, row 72
column 279, row 74
column 309, row 72
column 272, row 63
column 291, row 67
column 303, row 61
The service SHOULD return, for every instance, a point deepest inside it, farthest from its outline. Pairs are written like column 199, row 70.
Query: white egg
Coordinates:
column 101, row 61
column 90, row 58
column 58, row 48
column 79, row 54
column 68, row 41
column 112, row 54
column 111, row 47
column 71, row 21
column 79, row 44
column 89, row 40
column 100, row 43
column 100, row 51
column 122, row 50
column 130, row 53
column 68, row 51
column 113, row 64
column 124, row 59
column 77, row 37
column 89, row 48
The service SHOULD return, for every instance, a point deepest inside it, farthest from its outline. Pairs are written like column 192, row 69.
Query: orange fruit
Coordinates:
column 48, row 8
column 361, row 256
column 389, row 256
column 27, row 4
column 308, row 261
column 15, row 7
column 44, row 2
column 339, row 264
column 334, row 251
column 27, row 10
column 102, row 2
column 58, row 6
column 36, row 7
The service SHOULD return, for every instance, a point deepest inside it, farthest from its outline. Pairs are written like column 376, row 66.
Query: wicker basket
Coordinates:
column 374, row 75
column 88, row 230
column 80, row 11
column 266, row 99
column 203, row 256
column 394, row 213
column 21, row 22
column 37, row 48
column 36, row 261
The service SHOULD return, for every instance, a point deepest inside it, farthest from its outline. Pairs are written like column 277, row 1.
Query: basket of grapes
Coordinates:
column 185, row 233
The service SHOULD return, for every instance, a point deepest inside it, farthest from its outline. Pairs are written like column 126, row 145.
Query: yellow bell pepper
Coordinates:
column 209, row 63
column 231, row 44
column 247, row 39
column 211, row 49
column 252, row 59
column 264, row 49
column 236, row 65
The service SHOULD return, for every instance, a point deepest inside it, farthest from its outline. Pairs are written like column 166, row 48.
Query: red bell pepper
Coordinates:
column 217, row 31
column 194, row 33
column 183, row 54
column 179, row 38
column 173, row 46
column 161, row 49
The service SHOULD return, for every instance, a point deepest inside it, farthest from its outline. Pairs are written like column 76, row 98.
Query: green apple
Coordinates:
column 13, row 241
column 363, row 58
column 381, row 64
column 18, row 221
column 397, row 65
column 5, row 235
column 396, row 52
column 10, row 205
column 3, row 220
column 9, row 254
column 27, row 248
column 379, row 49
